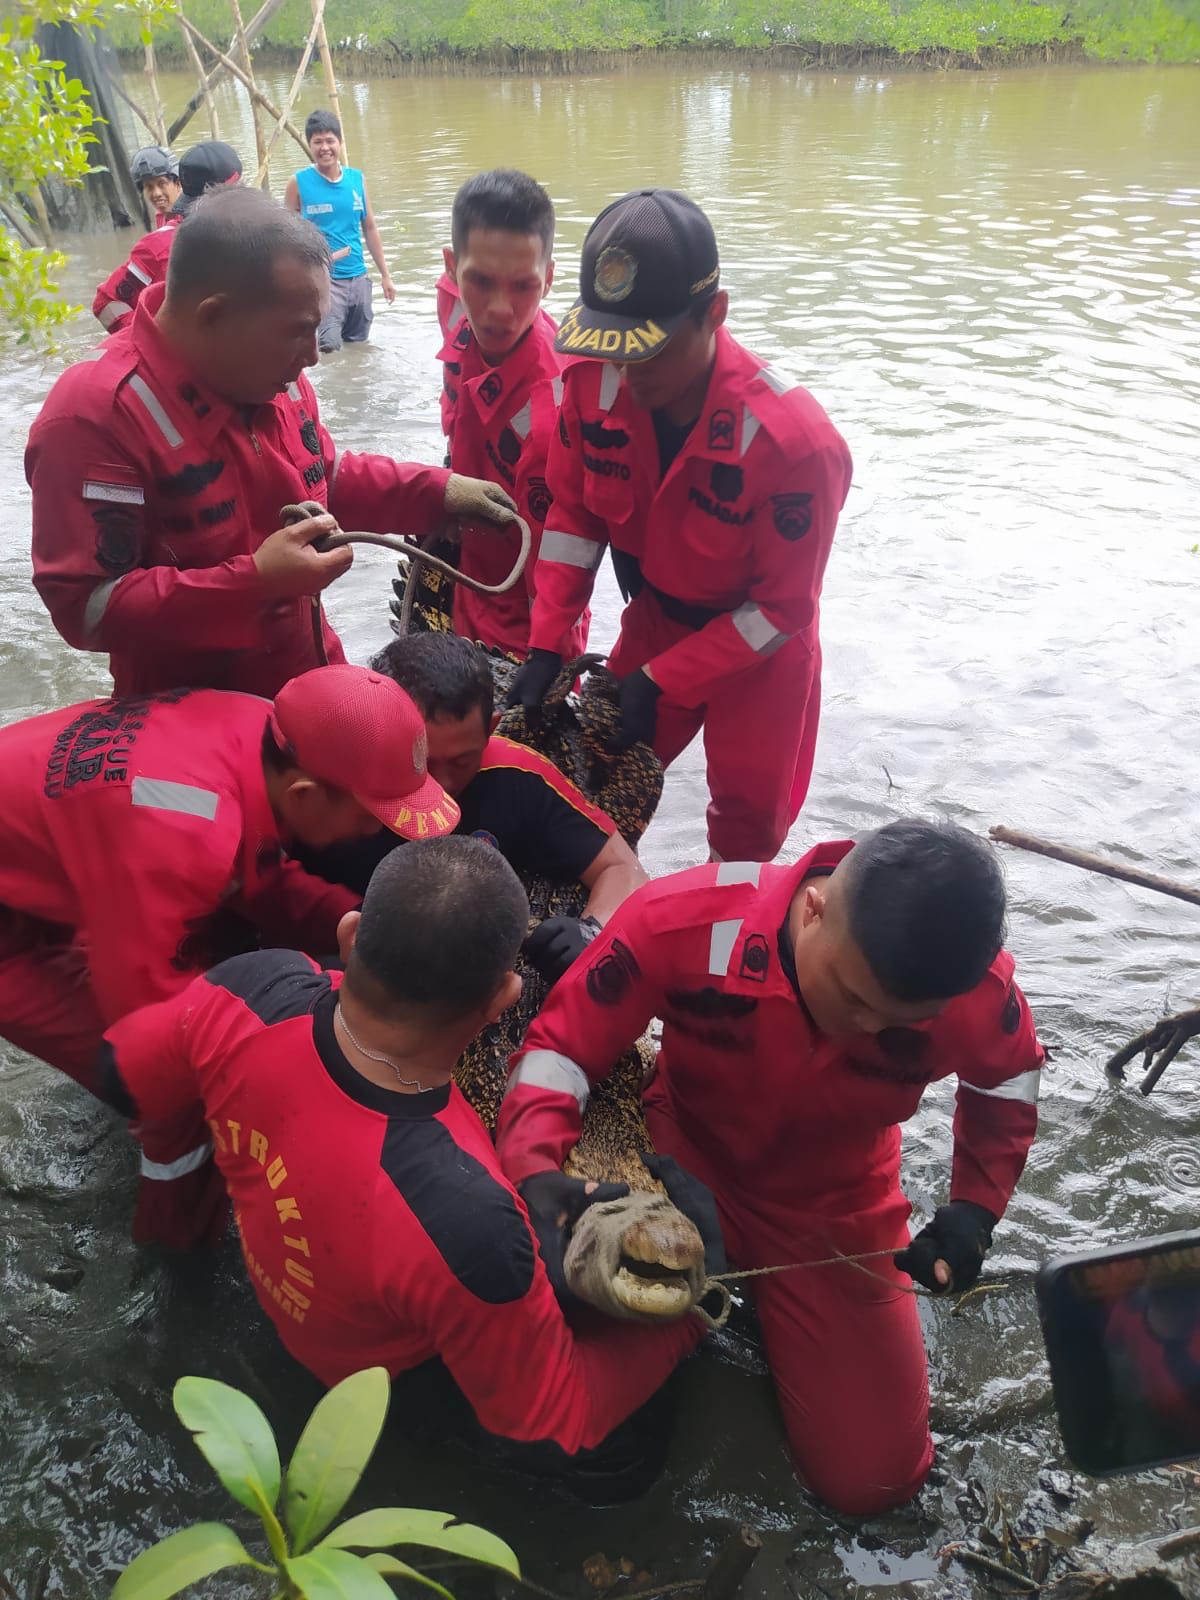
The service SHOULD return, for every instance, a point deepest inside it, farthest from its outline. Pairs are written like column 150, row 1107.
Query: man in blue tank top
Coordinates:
column 335, row 198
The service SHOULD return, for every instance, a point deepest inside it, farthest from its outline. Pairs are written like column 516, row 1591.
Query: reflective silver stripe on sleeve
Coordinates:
column 523, row 421
column 156, row 410
column 720, row 945
column 556, row 389
column 546, row 1069
column 730, row 872
column 164, row 1171
column 610, row 383
column 750, row 426
column 143, row 278
column 293, row 391
column 570, row 550
column 333, row 471
column 762, row 636
column 774, row 380
column 113, row 312
column 122, row 494
column 164, row 795
column 1024, row 1087
column 97, row 605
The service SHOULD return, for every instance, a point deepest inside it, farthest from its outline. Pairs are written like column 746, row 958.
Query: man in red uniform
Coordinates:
column 508, row 795
column 805, row 1009
column 501, row 389
column 160, row 467
column 140, row 834
column 330, row 1100
column 717, row 485
column 206, row 166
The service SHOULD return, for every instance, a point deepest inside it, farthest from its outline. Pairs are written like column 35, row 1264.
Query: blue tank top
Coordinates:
column 338, row 210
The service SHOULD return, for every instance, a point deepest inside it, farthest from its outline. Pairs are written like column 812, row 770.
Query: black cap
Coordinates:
column 648, row 259
column 209, row 165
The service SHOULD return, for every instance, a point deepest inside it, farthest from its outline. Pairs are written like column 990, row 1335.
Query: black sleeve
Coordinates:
column 537, row 829
column 109, row 1083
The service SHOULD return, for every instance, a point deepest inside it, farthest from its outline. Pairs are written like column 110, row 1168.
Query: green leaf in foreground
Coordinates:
column 336, row 1575
column 181, row 1559
column 433, row 1530
column 234, row 1437
column 391, row 1568
column 332, row 1451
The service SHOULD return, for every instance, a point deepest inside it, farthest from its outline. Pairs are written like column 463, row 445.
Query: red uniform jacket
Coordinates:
column 376, row 1226
column 147, row 264
column 143, row 824
column 784, row 1118
column 737, row 533
column 151, row 495
column 501, row 422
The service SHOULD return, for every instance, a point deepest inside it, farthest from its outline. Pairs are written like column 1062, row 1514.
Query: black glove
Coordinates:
column 960, row 1235
column 555, row 943
column 554, row 1203
column 532, row 682
column 695, row 1200
column 639, row 712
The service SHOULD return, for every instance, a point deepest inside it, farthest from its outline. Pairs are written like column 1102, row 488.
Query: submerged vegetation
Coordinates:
column 967, row 30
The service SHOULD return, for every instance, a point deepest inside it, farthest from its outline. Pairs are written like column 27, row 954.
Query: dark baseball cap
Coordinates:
column 648, row 259
column 207, row 166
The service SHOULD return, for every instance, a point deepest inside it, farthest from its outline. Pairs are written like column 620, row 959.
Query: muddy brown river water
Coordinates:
column 993, row 283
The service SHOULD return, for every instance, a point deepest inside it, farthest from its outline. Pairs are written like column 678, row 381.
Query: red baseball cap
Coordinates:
column 357, row 730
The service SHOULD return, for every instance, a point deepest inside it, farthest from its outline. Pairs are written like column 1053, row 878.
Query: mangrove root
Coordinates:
column 1158, row 1046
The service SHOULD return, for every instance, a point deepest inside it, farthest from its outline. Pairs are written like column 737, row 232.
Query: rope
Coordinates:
column 400, row 545
column 716, row 1284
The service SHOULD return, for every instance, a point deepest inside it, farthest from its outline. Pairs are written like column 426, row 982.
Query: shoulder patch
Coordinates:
column 276, row 985
column 470, row 1216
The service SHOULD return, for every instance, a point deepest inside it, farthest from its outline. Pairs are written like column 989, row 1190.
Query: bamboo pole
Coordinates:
column 331, row 88
column 215, row 131
column 243, row 46
column 156, row 105
column 256, row 25
column 1091, row 863
column 268, row 105
column 318, row 17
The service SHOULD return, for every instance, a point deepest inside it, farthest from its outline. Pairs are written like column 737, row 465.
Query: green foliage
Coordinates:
column 331, row 1453
column 338, row 1439
column 30, row 304
column 1128, row 30
column 46, row 120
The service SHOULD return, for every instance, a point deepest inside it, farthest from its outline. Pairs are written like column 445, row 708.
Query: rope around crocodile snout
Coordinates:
column 716, row 1284
column 400, row 545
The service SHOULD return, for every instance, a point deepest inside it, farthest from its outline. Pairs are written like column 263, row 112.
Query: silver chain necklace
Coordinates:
column 384, row 1061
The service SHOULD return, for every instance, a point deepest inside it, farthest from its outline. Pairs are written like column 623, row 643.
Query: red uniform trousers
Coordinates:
column 845, row 1349
column 46, row 997
column 49, row 1010
column 760, row 732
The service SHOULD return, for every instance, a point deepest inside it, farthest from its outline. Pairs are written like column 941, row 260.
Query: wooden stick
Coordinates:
column 1091, row 863
column 215, row 132
column 121, row 93
column 731, row 1565
column 257, row 23
column 331, row 88
column 156, row 105
column 243, row 46
column 268, row 105
column 318, row 15
column 20, row 225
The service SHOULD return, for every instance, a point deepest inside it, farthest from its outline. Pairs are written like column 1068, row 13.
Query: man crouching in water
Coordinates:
column 510, row 796
column 376, row 1225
